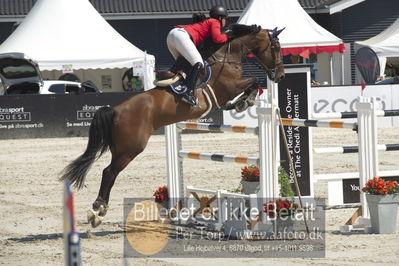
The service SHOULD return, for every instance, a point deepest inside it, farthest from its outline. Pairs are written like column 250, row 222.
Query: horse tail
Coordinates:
column 100, row 135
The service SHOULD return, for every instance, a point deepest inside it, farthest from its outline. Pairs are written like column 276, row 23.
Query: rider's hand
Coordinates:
column 229, row 33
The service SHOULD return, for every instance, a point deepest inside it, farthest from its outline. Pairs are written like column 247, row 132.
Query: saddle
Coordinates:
column 175, row 79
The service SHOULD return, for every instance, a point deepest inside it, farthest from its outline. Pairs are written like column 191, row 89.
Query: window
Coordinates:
column 73, row 89
column 15, row 69
column 57, row 88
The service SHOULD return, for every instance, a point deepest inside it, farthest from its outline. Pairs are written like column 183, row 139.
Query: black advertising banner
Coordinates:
column 368, row 64
column 293, row 103
column 351, row 188
column 58, row 115
column 48, row 116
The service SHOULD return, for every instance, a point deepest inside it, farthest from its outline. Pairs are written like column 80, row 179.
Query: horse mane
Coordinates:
column 239, row 30
column 208, row 47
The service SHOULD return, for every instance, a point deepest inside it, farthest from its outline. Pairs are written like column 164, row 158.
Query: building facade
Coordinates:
column 145, row 23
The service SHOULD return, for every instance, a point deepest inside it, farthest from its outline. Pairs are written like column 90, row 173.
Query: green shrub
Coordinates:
column 285, row 185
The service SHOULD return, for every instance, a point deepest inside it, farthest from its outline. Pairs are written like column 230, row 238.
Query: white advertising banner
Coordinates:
column 246, row 118
column 334, row 99
column 138, row 68
column 343, row 99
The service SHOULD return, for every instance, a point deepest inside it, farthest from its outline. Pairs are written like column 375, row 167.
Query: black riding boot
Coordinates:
column 189, row 96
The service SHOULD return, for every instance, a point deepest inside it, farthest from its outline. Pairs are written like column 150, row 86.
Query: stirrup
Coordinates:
column 190, row 99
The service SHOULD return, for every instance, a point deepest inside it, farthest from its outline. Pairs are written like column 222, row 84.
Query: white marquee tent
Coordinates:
column 385, row 45
column 72, row 32
column 302, row 35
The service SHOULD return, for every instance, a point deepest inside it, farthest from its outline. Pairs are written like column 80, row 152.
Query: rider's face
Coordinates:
column 223, row 22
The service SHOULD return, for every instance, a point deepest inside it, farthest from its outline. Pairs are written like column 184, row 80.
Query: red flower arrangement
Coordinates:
column 280, row 207
column 161, row 194
column 379, row 186
column 250, row 173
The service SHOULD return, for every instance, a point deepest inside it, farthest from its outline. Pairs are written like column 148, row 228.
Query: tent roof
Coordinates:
column 301, row 34
column 386, row 43
column 55, row 33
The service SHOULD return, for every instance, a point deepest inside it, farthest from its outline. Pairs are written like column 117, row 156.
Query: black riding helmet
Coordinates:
column 217, row 11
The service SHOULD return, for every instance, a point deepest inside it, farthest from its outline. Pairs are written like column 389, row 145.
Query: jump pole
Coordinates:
column 345, row 115
column 354, row 149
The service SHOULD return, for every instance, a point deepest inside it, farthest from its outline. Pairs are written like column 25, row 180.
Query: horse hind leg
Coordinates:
column 124, row 150
column 99, row 209
column 100, row 206
column 130, row 136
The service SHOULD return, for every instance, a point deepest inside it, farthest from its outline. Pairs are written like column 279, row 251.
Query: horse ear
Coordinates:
column 276, row 32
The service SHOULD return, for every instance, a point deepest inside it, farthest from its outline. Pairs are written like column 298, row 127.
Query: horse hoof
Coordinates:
column 96, row 221
column 90, row 216
column 102, row 211
column 250, row 102
column 241, row 106
column 94, row 218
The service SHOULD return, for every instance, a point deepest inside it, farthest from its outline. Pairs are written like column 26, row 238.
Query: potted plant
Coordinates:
column 250, row 179
column 161, row 196
column 382, row 198
column 282, row 211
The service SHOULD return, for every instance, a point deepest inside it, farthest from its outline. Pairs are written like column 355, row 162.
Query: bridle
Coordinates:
column 245, row 50
column 274, row 45
column 274, row 48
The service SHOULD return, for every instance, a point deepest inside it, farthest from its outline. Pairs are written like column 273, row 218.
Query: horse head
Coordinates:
column 264, row 45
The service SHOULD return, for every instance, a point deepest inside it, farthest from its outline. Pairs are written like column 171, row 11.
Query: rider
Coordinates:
column 183, row 40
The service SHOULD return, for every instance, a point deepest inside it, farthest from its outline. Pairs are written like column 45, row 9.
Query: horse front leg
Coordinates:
column 247, row 98
column 251, row 93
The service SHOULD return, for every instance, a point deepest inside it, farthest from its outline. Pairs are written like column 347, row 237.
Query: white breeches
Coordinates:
column 180, row 44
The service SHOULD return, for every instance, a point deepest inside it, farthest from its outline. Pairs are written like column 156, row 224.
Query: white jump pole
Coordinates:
column 275, row 137
column 266, row 169
column 368, row 147
column 267, row 138
column 173, row 165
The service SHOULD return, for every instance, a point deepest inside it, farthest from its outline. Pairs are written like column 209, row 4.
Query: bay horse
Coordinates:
column 126, row 128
